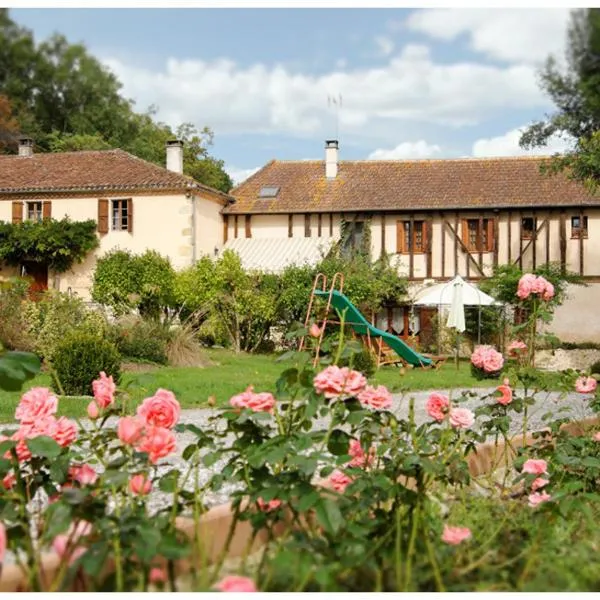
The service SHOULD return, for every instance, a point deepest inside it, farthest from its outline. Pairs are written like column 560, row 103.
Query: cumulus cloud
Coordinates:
column 508, row 145
column 420, row 149
column 239, row 175
column 261, row 99
column 385, row 45
column 508, row 34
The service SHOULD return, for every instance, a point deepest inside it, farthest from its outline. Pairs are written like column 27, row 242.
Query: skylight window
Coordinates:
column 269, row 191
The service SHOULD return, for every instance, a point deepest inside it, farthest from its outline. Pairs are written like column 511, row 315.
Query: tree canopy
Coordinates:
column 66, row 99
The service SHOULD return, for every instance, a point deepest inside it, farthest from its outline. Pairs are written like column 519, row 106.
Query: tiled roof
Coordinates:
column 273, row 255
column 101, row 170
column 416, row 184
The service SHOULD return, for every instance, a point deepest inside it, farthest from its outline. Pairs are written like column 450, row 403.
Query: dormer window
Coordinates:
column 268, row 191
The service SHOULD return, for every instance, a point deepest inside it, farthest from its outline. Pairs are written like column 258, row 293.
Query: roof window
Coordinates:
column 268, row 191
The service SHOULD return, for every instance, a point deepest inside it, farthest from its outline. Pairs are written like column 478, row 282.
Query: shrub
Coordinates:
column 13, row 331
column 183, row 348
column 595, row 368
column 79, row 358
column 142, row 340
column 362, row 361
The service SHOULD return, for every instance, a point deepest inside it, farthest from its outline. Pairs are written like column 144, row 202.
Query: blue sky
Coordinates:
column 428, row 83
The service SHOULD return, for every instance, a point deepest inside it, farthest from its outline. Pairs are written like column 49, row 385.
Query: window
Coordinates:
column 411, row 241
column 269, row 191
column 120, row 215
column 478, row 235
column 34, row 211
column 528, row 227
column 577, row 230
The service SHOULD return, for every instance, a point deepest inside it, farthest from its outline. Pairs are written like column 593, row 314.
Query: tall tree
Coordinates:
column 9, row 127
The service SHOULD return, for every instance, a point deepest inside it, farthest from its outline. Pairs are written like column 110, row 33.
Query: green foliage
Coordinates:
column 141, row 339
column 13, row 329
column 78, row 360
column 362, row 361
column 125, row 281
column 56, row 244
column 16, row 368
column 595, row 368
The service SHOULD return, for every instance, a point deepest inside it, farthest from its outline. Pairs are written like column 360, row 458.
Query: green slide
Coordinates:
column 355, row 319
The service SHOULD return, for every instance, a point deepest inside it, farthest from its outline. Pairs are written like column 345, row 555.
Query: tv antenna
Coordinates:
column 335, row 103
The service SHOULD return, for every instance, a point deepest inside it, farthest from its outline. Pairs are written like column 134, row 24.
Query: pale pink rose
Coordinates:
column 129, row 429
column 461, row 418
column 65, row 548
column 3, row 542
column 455, row 535
column 241, row 400
column 79, row 529
column 83, row 474
column 140, row 485
column 516, row 348
column 525, row 287
column 477, row 356
column 359, row 456
column 585, row 385
column 376, row 397
column 314, row 330
column 262, row 402
column 437, row 406
column 157, row 575
column 236, row 583
column 23, row 452
column 492, row 361
column 538, row 498
column 538, row 286
column 66, row 432
column 157, row 442
column 268, row 506
column 596, row 436
column 334, row 382
column 93, row 411
column 9, row 481
column 37, row 403
column 538, row 483
column 507, row 394
column 548, row 292
column 104, row 390
column 339, row 481
column 535, row 466
column 160, row 410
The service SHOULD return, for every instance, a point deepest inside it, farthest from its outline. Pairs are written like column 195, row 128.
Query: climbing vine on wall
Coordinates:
column 348, row 231
column 56, row 244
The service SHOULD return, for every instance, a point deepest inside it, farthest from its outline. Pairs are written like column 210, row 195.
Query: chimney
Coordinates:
column 175, row 156
column 331, row 158
column 25, row 146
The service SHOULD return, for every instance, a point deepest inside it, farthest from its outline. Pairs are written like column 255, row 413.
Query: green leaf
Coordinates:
column 94, row 560
column 117, row 463
column 329, row 515
column 189, row 451
column 338, row 442
column 44, row 446
column 116, row 478
column 59, row 469
column 16, row 368
column 307, row 501
column 168, row 482
column 172, row 548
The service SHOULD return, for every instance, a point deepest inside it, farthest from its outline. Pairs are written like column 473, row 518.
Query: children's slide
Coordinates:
column 354, row 318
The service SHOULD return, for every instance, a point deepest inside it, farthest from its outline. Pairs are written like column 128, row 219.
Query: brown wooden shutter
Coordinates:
column 17, row 212
column 248, row 227
column 130, row 215
column 400, row 237
column 465, row 233
column 102, row 216
column 46, row 210
column 490, row 234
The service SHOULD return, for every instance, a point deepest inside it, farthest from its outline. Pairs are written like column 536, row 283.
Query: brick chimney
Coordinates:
column 331, row 158
column 175, row 156
column 25, row 146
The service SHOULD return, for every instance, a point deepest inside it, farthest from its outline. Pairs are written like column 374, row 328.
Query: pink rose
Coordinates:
column 538, row 498
column 3, row 542
column 596, row 436
column 516, row 348
column 241, row 400
column 339, row 481
column 262, row 402
column 477, row 357
column 461, row 418
column 9, row 482
column 585, row 385
column 359, row 456
column 526, row 285
column 268, row 506
column 236, row 583
column 104, row 390
column 314, row 330
column 66, row 545
column 455, row 535
column 548, row 292
column 93, row 411
column 66, row 432
column 535, row 466
column 334, row 382
column 157, row 575
column 83, row 474
column 538, row 286
column 506, row 394
column 140, row 485
column 437, row 406
column 129, row 429
column 538, row 483
column 157, row 442
column 161, row 410
column 375, row 397
column 37, row 403
column 493, row 361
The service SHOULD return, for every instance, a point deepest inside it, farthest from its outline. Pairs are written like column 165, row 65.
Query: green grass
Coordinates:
column 230, row 374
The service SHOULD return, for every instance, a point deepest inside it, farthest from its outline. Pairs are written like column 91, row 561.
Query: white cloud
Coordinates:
column 261, row 99
column 420, row 149
column 385, row 45
column 514, row 35
column 508, row 145
column 239, row 175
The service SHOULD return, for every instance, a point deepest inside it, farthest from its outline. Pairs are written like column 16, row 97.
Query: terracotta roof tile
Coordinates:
column 101, row 170
column 400, row 185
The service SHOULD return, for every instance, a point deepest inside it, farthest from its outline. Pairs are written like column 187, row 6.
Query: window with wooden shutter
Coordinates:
column 122, row 214
column 411, row 238
column 102, row 216
column 34, row 211
column 478, row 234
column 47, row 210
column 130, row 215
column 17, row 212
column 579, row 228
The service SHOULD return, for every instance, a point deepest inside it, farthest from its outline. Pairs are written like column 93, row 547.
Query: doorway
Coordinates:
column 39, row 274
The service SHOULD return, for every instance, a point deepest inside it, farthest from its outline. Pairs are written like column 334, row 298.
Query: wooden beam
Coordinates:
column 235, row 226
column 509, row 231
column 581, row 241
column 443, row 246
column 520, row 259
column 563, row 241
column 248, row 226
column 383, row 252
column 544, row 223
column 480, row 242
column 534, row 248
column 307, row 231
column 290, row 225
column 496, row 239
column 411, row 254
column 330, row 224
column 319, row 224
column 428, row 224
column 458, row 241
column 548, row 239
column 225, row 227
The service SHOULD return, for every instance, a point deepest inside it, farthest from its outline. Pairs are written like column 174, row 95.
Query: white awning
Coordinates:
column 442, row 293
column 275, row 254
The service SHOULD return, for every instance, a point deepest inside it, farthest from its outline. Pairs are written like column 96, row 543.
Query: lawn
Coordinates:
column 230, row 374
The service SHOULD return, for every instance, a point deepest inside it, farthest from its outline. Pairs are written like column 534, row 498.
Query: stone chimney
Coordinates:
column 175, row 156
column 331, row 158
column 25, row 146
